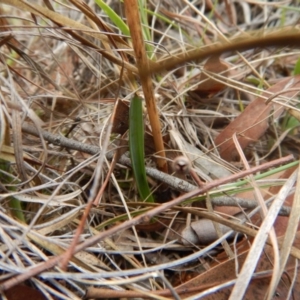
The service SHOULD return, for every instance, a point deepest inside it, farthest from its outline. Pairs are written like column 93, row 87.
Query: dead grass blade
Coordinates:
column 139, row 219
column 256, row 249
column 71, row 27
column 290, row 235
column 57, row 18
column 264, row 212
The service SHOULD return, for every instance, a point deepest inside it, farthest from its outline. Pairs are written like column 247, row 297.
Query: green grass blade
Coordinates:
column 113, row 17
column 297, row 68
column 13, row 203
column 145, row 26
column 136, row 147
column 16, row 209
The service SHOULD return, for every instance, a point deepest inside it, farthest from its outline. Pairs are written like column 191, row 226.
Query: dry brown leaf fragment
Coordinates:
column 120, row 121
column 208, row 85
column 22, row 292
column 258, row 287
column 253, row 122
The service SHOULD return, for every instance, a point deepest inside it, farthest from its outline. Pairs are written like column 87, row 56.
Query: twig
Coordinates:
column 174, row 182
column 61, row 140
column 100, row 293
column 178, row 184
column 278, row 38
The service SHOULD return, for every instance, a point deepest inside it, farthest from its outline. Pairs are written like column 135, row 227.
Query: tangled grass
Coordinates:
column 69, row 70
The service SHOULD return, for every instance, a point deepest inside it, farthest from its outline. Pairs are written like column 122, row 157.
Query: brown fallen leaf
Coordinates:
column 23, row 292
column 258, row 287
column 252, row 123
column 209, row 86
column 121, row 118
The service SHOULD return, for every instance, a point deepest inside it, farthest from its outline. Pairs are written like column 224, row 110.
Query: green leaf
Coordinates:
column 136, row 147
column 113, row 17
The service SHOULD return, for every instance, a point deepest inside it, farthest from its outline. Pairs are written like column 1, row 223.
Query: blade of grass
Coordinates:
column 145, row 25
column 117, row 20
column 136, row 146
column 296, row 70
column 13, row 203
column 5, row 165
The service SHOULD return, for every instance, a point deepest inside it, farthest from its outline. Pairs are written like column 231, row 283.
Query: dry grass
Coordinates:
column 63, row 68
